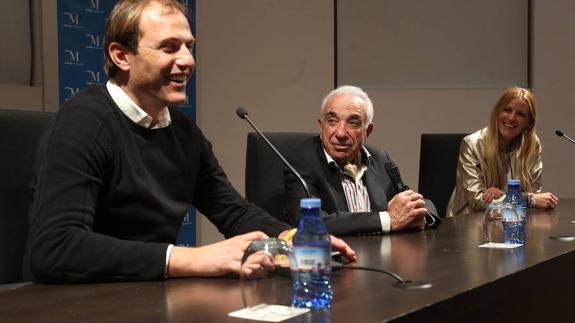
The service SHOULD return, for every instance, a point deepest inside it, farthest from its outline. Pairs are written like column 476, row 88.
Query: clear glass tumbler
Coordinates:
column 266, row 278
column 492, row 221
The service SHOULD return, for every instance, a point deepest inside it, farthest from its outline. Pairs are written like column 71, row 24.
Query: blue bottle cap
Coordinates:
column 310, row 203
column 513, row 182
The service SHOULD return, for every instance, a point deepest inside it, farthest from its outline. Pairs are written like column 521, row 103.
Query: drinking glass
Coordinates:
column 266, row 278
column 492, row 221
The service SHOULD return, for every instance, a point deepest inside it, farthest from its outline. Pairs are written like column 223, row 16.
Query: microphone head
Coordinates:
column 559, row 133
column 241, row 112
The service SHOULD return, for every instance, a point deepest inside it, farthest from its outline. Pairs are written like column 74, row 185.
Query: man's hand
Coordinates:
column 343, row 248
column 214, row 259
column 490, row 194
column 407, row 210
column 337, row 244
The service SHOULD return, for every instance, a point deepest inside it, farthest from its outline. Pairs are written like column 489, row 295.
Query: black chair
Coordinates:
column 20, row 132
column 265, row 171
column 437, row 167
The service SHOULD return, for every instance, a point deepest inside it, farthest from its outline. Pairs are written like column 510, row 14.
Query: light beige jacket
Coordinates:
column 470, row 177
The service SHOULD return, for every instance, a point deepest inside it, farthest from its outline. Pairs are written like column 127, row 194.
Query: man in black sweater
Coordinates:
column 118, row 167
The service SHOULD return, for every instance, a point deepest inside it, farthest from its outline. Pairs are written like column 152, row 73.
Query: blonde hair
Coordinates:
column 123, row 26
column 526, row 142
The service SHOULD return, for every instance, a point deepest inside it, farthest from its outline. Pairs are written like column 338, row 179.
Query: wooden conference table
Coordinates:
column 530, row 283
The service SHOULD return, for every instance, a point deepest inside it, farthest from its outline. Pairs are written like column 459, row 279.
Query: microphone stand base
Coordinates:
column 408, row 284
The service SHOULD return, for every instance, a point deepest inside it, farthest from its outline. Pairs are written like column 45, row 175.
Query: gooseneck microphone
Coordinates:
column 561, row 134
column 243, row 114
column 398, row 185
column 564, row 237
column 393, row 173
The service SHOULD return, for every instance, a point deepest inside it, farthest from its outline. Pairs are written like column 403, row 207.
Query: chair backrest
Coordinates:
column 20, row 133
column 437, row 167
column 265, row 171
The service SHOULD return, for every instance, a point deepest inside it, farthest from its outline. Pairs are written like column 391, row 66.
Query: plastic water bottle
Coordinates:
column 514, row 224
column 312, row 252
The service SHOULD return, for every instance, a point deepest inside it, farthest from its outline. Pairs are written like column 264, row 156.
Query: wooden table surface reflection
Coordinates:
column 469, row 283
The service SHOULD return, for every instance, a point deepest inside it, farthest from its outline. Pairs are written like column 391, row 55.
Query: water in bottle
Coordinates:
column 514, row 231
column 514, row 222
column 312, row 252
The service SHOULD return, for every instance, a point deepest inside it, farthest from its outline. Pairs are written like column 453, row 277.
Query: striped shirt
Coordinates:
column 356, row 194
column 354, row 189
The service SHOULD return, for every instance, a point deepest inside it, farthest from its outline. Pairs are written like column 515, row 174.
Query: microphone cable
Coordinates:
column 339, row 262
column 400, row 282
column 353, row 267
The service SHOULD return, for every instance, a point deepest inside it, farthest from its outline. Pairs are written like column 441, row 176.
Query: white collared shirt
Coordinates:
column 133, row 111
column 356, row 194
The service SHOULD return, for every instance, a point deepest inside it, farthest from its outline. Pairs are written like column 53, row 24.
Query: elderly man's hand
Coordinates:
column 407, row 210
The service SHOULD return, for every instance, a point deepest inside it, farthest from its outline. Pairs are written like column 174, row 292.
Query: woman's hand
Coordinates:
column 492, row 193
column 546, row 200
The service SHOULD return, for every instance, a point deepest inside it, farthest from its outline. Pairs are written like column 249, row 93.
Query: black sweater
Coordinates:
column 111, row 195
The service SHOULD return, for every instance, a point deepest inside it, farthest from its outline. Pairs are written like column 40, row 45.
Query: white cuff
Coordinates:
column 168, row 253
column 385, row 221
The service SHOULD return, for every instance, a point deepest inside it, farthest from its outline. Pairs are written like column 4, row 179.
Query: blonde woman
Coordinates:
column 507, row 148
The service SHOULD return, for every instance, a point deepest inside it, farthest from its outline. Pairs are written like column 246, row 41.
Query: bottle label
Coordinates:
column 310, row 258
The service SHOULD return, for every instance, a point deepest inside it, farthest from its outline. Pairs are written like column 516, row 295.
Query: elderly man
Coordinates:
column 119, row 167
column 350, row 178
